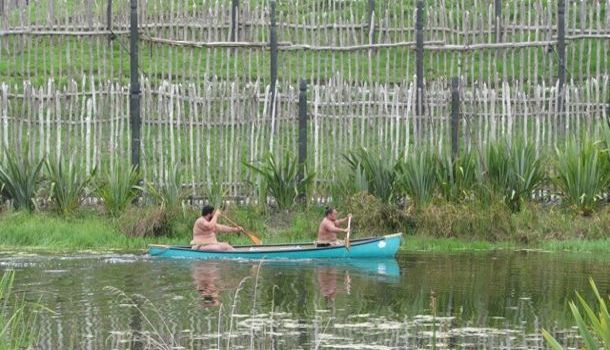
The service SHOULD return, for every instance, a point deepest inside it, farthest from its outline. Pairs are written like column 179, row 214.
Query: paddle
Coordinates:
column 349, row 230
column 252, row 237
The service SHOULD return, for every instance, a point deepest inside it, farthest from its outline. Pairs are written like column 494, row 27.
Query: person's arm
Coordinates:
column 342, row 221
column 225, row 228
column 212, row 224
column 330, row 227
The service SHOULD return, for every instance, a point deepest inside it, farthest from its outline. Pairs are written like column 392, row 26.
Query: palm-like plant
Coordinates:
column 377, row 170
column 348, row 183
column 281, row 180
column 68, row 184
column 582, row 174
column 594, row 326
column 514, row 171
column 20, row 179
column 456, row 178
column 216, row 192
column 416, row 176
column 118, row 188
column 169, row 192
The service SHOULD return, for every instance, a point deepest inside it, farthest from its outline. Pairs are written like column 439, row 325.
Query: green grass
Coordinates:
column 440, row 227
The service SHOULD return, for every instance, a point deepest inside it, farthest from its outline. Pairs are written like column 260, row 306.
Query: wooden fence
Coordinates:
column 208, row 96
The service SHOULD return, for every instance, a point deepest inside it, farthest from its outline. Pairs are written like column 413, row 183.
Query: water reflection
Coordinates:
column 483, row 301
column 212, row 277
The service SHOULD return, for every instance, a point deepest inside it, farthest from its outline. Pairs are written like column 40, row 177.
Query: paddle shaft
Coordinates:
column 252, row 237
column 349, row 230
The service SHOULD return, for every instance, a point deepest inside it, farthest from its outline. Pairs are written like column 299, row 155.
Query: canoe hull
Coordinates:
column 376, row 247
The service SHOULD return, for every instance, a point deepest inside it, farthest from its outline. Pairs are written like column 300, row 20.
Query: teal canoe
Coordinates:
column 373, row 247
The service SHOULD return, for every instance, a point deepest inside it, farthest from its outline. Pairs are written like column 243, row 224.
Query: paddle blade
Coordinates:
column 253, row 238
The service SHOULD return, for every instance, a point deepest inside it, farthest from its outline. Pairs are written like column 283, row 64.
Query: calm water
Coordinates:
column 469, row 301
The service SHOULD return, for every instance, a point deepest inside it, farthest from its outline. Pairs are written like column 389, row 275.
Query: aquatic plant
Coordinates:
column 377, row 170
column 280, row 179
column 69, row 184
column 118, row 187
column 593, row 325
column 581, row 174
column 20, row 178
column 17, row 319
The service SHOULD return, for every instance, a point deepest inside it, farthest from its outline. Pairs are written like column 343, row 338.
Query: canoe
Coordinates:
column 372, row 247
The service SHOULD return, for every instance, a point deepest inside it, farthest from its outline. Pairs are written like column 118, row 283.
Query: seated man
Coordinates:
column 329, row 227
column 205, row 228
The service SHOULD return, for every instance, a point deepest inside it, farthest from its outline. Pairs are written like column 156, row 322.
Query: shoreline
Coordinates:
column 22, row 232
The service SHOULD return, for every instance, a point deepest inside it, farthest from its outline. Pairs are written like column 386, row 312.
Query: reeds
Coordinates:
column 593, row 324
column 17, row 321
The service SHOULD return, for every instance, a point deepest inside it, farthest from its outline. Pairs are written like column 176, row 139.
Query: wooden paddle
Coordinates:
column 253, row 238
column 349, row 230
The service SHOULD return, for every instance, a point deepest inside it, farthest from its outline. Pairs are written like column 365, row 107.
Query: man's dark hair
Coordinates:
column 328, row 211
column 208, row 209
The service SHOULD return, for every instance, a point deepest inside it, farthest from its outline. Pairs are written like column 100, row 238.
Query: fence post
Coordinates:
column 561, row 53
column 234, row 7
column 419, row 57
column 273, row 54
column 134, row 90
column 109, row 21
column 455, row 116
column 302, row 130
column 371, row 9
column 498, row 22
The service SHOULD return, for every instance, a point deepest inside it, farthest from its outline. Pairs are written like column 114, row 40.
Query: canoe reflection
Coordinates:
column 331, row 277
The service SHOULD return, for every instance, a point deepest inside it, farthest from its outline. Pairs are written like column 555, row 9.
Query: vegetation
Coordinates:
column 593, row 325
column 487, row 196
column 16, row 317
column 583, row 174
column 281, row 180
column 69, row 185
column 19, row 178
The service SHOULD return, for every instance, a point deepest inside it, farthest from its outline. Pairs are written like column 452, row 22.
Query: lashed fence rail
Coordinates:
column 205, row 79
column 212, row 127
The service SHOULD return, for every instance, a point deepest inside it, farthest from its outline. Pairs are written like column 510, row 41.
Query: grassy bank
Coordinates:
column 442, row 227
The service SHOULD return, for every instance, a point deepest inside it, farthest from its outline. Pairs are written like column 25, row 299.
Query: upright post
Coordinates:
column 273, row 54
column 134, row 90
column 498, row 21
column 371, row 9
column 234, row 8
column 455, row 116
column 109, row 20
column 561, row 53
column 302, row 130
column 419, row 57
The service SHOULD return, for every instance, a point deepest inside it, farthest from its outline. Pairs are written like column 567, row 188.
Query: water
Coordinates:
column 497, row 300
